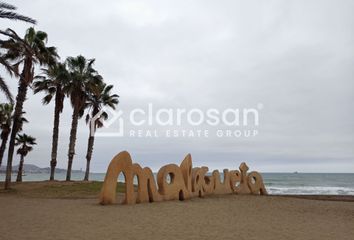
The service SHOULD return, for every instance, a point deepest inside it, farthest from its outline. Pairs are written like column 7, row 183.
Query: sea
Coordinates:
column 276, row 183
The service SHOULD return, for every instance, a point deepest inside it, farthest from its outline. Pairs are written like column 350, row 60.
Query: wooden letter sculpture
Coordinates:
column 185, row 181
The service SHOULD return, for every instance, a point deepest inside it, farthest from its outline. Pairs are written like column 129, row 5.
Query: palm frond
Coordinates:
column 47, row 99
column 10, row 69
column 7, row 6
column 4, row 88
column 16, row 16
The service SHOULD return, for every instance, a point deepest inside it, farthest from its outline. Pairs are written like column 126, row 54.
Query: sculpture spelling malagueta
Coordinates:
column 185, row 181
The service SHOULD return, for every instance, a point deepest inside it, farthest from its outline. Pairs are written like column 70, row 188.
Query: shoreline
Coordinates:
column 82, row 190
column 276, row 183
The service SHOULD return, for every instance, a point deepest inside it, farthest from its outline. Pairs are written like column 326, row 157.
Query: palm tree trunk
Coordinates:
column 91, row 141
column 20, row 169
column 72, row 142
column 55, row 137
column 5, row 137
column 21, row 97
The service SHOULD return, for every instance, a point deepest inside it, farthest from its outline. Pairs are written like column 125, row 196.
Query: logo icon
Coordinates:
column 115, row 117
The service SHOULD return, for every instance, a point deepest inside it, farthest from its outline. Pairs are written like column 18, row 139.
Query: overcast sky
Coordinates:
column 294, row 57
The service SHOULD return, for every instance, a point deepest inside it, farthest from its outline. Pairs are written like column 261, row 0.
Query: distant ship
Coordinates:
column 296, row 172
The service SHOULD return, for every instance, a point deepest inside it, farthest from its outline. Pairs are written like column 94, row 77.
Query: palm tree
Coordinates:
column 7, row 11
column 28, row 52
column 26, row 143
column 52, row 84
column 84, row 79
column 96, row 104
column 5, row 121
column 6, row 110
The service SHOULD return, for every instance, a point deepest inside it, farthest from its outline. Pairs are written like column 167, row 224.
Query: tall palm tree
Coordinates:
column 7, row 12
column 96, row 104
column 52, row 84
column 84, row 80
column 28, row 52
column 26, row 143
column 6, row 110
column 5, row 121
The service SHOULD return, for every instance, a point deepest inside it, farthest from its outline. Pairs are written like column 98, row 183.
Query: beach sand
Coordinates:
column 51, row 214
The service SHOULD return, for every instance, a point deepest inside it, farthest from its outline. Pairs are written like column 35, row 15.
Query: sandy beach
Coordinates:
column 31, row 211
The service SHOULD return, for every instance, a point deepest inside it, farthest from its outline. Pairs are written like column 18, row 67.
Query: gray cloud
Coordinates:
column 295, row 57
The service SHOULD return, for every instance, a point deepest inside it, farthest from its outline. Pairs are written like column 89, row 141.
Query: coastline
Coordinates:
column 276, row 183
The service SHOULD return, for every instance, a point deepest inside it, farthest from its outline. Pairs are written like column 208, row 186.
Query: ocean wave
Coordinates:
column 310, row 190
